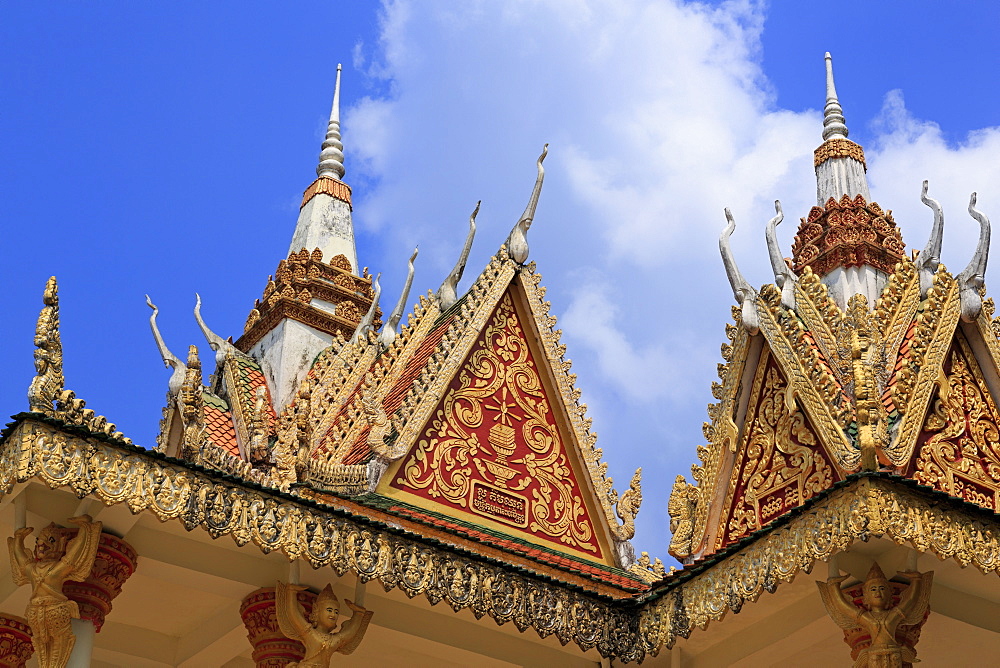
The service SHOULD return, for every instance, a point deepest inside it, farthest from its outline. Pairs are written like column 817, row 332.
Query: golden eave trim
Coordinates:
column 867, row 507
column 114, row 475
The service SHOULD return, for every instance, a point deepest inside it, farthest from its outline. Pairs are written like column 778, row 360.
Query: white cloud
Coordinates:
column 659, row 116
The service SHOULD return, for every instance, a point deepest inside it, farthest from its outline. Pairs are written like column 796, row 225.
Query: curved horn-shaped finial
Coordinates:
column 221, row 346
column 365, row 326
column 447, row 294
column 744, row 294
column 973, row 277
column 930, row 256
column 784, row 278
column 517, row 242
column 389, row 330
column 170, row 360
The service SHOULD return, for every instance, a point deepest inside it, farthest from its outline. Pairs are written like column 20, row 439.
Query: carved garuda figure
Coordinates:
column 52, row 563
column 317, row 633
column 879, row 618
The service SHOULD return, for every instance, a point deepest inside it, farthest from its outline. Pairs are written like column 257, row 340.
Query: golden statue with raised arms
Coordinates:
column 51, row 564
column 879, row 618
column 317, row 633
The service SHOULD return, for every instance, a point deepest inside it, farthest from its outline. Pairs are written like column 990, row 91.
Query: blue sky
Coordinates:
column 152, row 150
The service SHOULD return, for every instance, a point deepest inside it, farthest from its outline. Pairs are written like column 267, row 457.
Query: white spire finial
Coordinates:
column 833, row 114
column 331, row 158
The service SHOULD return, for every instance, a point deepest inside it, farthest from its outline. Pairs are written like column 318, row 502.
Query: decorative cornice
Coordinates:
column 325, row 185
column 302, row 530
column 296, row 282
column 839, row 148
column 847, row 233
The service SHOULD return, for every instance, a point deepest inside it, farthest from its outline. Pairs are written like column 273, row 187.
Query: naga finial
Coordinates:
column 389, row 330
column 221, row 346
column 170, row 360
column 784, row 277
column 973, row 277
column 365, row 326
column 834, row 126
column 331, row 158
column 49, row 380
column 930, row 256
column 447, row 294
column 517, row 242
column 745, row 295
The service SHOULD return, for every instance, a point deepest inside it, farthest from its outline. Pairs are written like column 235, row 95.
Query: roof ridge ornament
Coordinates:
column 447, row 294
column 331, row 158
column 365, row 326
column 221, row 346
column 170, row 360
column 973, row 277
column 389, row 330
column 517, row 241
column 930, row 257
column 743, row 292
column 834, row 123
column 784, row 277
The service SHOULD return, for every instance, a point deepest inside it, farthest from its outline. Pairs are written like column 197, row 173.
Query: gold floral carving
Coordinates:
column 500, row 385
column 961, row 456
column 838, row 148
column 779, row 465
column 300, row 530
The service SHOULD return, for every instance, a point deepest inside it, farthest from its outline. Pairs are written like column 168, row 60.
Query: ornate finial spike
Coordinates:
column 48, row 381
column 331, row 158
column 930, row 256
column 447, row 294
column 833, row 114
column 517, row 241
column 973, row 277
column 389, row 331
column 170, row 360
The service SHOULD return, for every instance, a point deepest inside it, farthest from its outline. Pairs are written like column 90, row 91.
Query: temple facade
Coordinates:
column 428, row 475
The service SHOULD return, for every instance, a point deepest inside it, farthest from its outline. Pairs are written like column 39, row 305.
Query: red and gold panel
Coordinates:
column 493, row 454
column 957, row 450
column 780, row 463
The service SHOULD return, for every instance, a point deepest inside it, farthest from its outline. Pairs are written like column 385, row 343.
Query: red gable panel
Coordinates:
column 492, row 452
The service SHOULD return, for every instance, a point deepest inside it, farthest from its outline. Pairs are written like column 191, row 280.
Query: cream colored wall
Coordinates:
column 791, row 628
column 181, row 607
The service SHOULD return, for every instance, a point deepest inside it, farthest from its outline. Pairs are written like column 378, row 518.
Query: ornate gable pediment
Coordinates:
column 497, row 445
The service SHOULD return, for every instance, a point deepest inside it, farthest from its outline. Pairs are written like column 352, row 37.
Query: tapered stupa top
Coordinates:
column 331, row 158
column 833, row 115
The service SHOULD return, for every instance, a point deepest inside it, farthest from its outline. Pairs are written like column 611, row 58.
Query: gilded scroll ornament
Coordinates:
column 961, row 455
column 779, row 466
column 51, row 564
column 878, row 617
column 317, row 632
column 493, row 447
